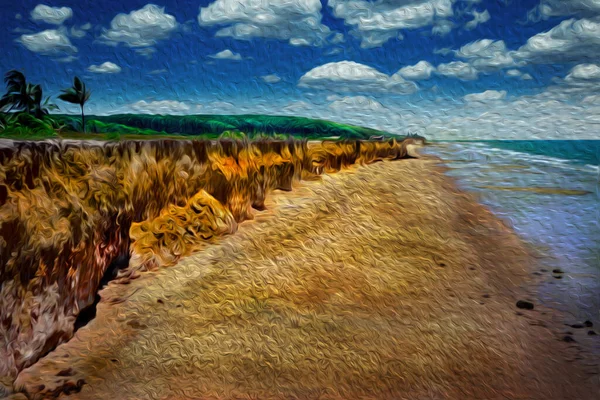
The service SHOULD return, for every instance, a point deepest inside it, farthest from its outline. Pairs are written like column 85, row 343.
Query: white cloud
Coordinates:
column 553, row 114
column 488, row 95
column 570, row 40
column 515, row 73
column 162, row 107
column 584, row 73
column 442, row 27
column 591, row 100
column 419, row 71
column 297, row 21
column 486, row 55
column 51, row 15
column 298, row 107
column 140, row 28
column 77, row 33
column 478, row 18
column 349, row 76
column 105, row 68
column 459, row 70
column 555, row 8
column 270, row 78
column 356, row 103
column 227, row 55
column 146, row 52
column 66, row 59
column 377, row 22
column 48, row 42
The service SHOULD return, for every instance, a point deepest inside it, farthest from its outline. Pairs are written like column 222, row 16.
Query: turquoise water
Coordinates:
column 549, row 192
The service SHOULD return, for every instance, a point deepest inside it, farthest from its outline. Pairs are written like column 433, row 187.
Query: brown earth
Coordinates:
column 380, row 282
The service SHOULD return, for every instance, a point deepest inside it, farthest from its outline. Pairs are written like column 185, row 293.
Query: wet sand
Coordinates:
column 379, row 282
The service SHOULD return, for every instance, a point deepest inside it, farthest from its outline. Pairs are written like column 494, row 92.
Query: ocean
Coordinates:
column 549, row 193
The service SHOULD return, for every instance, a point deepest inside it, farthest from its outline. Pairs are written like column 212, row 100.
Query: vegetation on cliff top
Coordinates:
column 23, row 115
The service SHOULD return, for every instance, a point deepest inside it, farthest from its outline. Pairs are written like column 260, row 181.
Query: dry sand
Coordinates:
column 379, row 282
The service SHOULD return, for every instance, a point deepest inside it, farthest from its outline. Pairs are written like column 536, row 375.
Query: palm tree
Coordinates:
column 78, row 94
column 20, row 95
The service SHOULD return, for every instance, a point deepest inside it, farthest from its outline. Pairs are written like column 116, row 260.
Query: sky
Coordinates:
column 448, row 69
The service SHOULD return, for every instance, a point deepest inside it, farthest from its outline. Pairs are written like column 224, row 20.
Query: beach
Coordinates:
column 378, row 282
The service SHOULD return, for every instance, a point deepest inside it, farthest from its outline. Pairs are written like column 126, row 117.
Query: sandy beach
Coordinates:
column 379, row 282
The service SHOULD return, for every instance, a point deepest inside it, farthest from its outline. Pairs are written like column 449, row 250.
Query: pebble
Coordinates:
column 592, row 333
column 588, row 323
column 526, row 305
column 568, row 339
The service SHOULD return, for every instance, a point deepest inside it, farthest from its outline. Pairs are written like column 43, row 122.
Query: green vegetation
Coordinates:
column 216, row 125
column 77, row 94
column 23, row 115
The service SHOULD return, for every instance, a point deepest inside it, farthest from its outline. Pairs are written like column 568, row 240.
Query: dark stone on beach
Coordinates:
column 592, row 333
column 588, row 323
column 568, row 339
column 526, row 305
column 486, row 296
column 576, row 326
column 557, row 271
column 442, row 264
column 160, row 301
column 543, row 270
column 66, row 372
column 557, row 276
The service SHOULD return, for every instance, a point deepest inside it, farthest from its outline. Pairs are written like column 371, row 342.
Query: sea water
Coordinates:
column 549, row 193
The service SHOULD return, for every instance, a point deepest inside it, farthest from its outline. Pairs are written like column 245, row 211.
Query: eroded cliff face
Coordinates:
column 68, row 210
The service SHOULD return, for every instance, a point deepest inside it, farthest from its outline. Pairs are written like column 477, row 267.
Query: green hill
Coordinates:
column 216, row 125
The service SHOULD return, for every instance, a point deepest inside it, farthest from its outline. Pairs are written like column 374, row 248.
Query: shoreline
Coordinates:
column 382, row 280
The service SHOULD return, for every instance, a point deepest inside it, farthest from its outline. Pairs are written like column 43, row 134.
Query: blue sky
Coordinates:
column 447, row 68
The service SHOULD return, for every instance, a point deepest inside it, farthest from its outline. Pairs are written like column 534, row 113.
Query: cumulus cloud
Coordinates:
column 486, row 55
column 478, row 18
column 356, row 103
column 584, row 73
column 459, row 70
column 162, row 107
column 81, row 32
column 140, row 28
column 556, row 8
column 442, row 27
column 297, row 21
column 377, row 22
column 227, row 55
column 553, row 114
column 488, row 95
column 420, row 71
column 349, row 76
column 48, row 42
column 572, row 39
column 515, row 73
column 105, row 68
column 271, row 78
column 51, row 15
